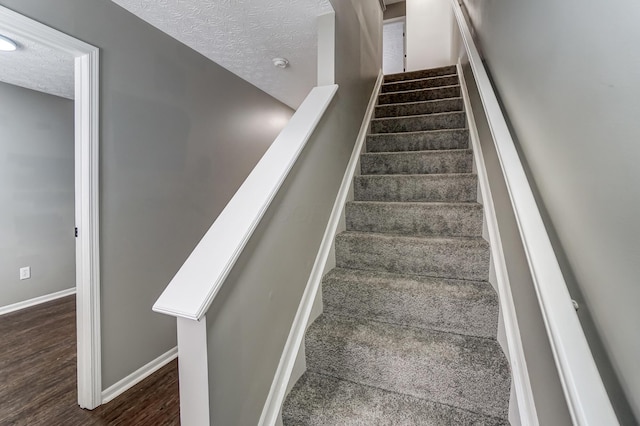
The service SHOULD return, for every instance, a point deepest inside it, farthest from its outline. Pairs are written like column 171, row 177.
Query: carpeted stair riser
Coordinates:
column 319, row 400
column 455, row 306
column 419, row 108
column 418, row 141
column 422, row 83
column 419, row 95
column 407, row 334
column 445, row 188
column 419, row 123
column 415, row 75
column 450, row 257
column 425, row 219
column 417, row 162
column 466, row 372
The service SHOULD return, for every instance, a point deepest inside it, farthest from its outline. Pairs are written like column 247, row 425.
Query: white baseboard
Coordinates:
column 517, row 361
column 36, row 301
column 277, row 393
column 139, row 375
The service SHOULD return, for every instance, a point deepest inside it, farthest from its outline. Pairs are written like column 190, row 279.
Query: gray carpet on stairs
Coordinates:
column 407, row 334
column 464, row 258
column 416, row 75
column 322, row 400
column 463, row 371
column 440, row 187
column 428, row 94
column 444, row 219
column 420, row 83
column 419, row 123
column 442, row 304
column 419, row 108
column 418, row 141
column 417, row 162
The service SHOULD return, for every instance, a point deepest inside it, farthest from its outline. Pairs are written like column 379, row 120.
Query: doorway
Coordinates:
column 86, row 136
column 393, row 46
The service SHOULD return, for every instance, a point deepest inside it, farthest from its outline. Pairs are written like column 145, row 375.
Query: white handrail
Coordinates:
column 583, row 388
column 192, row 290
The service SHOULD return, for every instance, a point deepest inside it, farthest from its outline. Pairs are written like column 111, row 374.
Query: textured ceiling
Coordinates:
column 244, row 36
column 37, row 67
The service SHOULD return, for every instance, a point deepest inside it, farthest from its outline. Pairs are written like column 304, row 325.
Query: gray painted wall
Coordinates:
column 567, row 74
column 36, row 194
column 395, row 10
column 178, row 136
column 250, row 318
column 547, row 389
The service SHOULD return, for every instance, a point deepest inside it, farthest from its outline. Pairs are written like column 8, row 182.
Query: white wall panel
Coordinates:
column 429, row 30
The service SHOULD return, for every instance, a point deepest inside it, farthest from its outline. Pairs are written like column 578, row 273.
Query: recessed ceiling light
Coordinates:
column 280, row 62
column 7, row 45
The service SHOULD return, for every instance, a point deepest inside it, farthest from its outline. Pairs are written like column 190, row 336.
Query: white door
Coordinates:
column 393, row 47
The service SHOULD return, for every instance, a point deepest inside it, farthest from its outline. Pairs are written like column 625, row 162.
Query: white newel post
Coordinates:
column 326, row 49
column 194, row 372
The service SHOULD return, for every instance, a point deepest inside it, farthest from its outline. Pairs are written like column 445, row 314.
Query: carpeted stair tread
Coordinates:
column 418, row 123
column 415, row 218
column 408, row 330
column 455, row 306
column 319, row 400
column 420, row 83
column 460, row 187
column 419, row 108
column 414, row 75
column 464, row 258
column 467, row 372
column 417, row 162
column 428, row 94
column 418, row 141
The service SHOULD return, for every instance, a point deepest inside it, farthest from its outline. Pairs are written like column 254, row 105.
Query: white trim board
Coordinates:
column 277, row 393
column 326, row 48
column 193, row 370
column 120, row 387
column 517, row 361
column 18, row 306
column 86, row 119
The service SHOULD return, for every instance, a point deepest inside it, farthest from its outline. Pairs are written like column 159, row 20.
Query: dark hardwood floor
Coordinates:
column 38, row 376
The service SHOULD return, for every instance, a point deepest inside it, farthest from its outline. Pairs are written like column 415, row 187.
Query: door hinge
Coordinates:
column 76, row 232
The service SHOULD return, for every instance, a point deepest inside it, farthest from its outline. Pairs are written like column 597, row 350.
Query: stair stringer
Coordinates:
column 522, row 409
column 292, row 362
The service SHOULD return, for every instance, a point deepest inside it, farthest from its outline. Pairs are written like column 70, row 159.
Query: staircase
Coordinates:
column 407, row 336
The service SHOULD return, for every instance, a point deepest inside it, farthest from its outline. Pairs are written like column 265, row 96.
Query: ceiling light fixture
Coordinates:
column 280, row 62
column 7, row 45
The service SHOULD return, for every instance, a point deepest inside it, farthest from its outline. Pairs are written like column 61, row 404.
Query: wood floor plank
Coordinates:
column 38, row 376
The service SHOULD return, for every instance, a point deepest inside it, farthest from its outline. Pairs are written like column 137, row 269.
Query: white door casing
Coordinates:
column 86, row 195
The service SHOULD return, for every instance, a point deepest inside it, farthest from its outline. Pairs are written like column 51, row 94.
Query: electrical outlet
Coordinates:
column 25, row 273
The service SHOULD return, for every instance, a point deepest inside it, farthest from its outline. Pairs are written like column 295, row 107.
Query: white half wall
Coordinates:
column 429, row 32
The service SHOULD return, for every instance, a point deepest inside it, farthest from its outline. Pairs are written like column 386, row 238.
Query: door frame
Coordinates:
column 402, row 19
column 86, row 122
